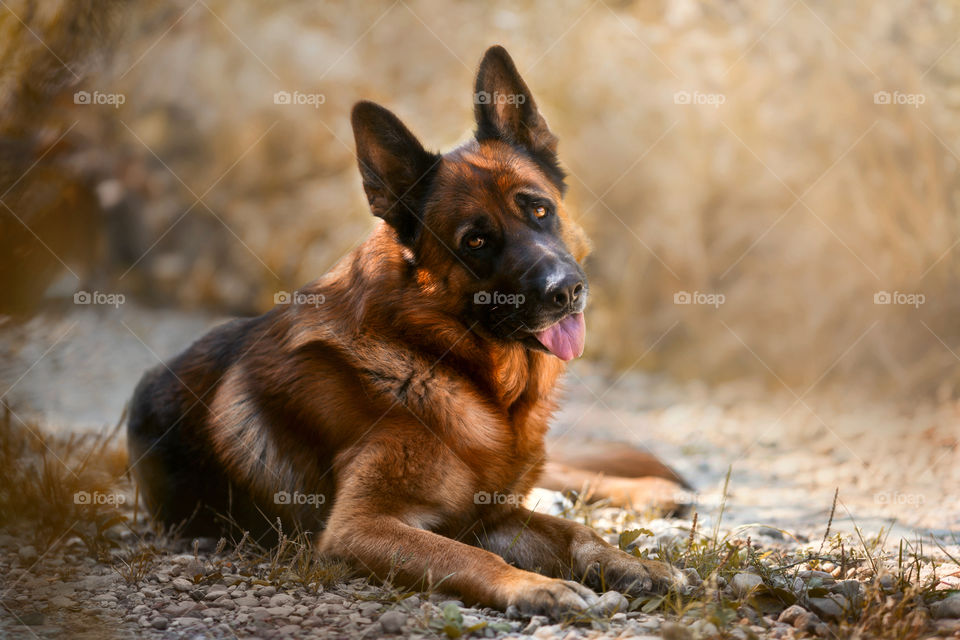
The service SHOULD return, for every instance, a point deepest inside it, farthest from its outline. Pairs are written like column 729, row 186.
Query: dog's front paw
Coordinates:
column 539, row 595
column 624, row 573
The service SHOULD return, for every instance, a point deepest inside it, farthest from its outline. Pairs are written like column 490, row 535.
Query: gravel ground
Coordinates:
column 166, row 604
column 66, row 593
column 896, row 470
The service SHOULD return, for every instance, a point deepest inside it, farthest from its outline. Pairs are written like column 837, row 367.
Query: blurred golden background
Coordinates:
column 792, row 165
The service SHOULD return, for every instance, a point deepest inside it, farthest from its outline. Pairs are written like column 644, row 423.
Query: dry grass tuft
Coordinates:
column 55, row 487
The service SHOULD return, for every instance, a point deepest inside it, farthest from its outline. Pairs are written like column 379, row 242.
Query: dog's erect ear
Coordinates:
column 394, row 167
column 505, row 109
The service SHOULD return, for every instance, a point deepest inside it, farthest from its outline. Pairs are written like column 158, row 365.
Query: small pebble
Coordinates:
column 947, row 608
column 743, row 583
column 27, row 554
column 182, row 585
column 281, row 600
column 535, row 623
column 393, row 621
column 610, row 603
column 826, row 608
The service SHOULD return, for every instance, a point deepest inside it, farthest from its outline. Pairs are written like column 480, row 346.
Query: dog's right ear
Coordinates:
column 394, row 167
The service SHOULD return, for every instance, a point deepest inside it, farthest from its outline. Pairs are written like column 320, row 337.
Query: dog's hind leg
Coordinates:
column 624, row 475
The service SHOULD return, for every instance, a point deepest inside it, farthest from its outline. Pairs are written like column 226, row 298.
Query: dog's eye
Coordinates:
column 540, row 211
column 475, row 242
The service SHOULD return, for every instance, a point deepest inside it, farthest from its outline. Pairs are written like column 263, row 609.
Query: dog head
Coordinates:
column 484, row 225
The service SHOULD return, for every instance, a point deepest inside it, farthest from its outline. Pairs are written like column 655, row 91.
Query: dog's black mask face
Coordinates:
column 502, row 217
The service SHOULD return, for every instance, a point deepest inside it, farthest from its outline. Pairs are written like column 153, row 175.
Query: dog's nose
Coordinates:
column 566, row 292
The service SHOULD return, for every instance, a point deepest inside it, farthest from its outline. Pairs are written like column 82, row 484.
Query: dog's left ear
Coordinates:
column 505, row 109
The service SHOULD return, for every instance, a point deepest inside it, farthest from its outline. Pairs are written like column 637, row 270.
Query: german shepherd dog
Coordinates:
column 397, row 406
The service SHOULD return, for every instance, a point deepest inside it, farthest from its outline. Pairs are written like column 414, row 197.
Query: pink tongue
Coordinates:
column 565, row 339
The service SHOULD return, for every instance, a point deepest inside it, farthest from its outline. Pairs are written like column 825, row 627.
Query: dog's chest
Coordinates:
column 512, row 465
column 524, row 421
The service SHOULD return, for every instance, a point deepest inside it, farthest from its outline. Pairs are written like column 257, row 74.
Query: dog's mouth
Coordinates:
column 564, row 338
column 561, row 333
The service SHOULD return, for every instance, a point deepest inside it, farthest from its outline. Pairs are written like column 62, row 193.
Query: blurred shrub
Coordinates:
column 730, row 148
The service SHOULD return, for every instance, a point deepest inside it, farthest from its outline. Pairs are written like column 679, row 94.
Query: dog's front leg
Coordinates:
column 387, row 547
column 566, row 549
column 379, row 525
